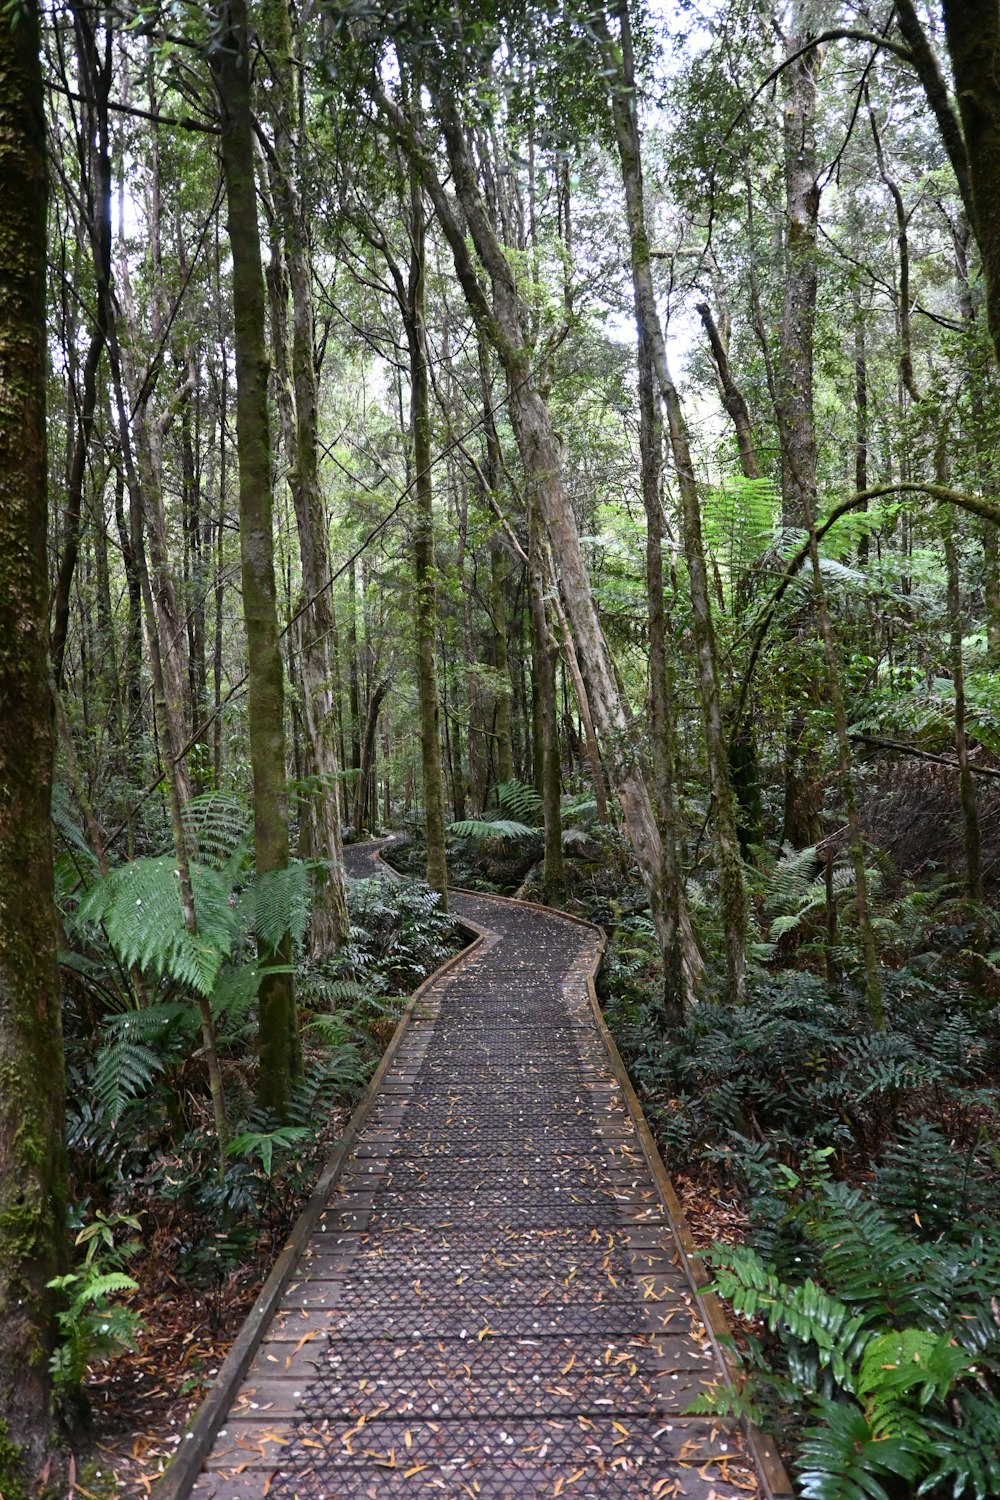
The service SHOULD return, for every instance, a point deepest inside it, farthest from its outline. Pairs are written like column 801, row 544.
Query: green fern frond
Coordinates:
column 484, row 829
column 219, row 830
column 518, row 801
column 123, row 1070
column 862, row 1253
column 897, row 1364
column 844, row 1460
column 235, row 994
column 278, row 903
column 139, row 905
column 966, row 1453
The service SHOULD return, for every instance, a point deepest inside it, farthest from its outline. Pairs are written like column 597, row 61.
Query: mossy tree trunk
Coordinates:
column 423, row 550
column 544, row 650
column 279, row 1051
column 298, row 404
column 683, row 967
column 32, row 1158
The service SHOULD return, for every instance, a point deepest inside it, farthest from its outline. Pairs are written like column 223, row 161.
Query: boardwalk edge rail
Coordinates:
column 184, row 1468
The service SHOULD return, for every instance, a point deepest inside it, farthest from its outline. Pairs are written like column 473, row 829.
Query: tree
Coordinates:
column 32, row 1164
column 279, row 1046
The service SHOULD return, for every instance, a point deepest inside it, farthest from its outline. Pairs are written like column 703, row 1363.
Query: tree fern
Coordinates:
column 482, row 830
column 519, row 801
column 219, row 829
column 277, row 904
column 139, row 905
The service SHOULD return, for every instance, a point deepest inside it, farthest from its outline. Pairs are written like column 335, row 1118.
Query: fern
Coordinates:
column 845, row 1460
column 482, row 830
column 139, row 905
column 277, row 905
column 134, row 1051
column 804, row 1312
column 123, row 1070
column 739, row 519
column 924, row 1180
column 966, row 1456
column 899, row 1364
column 863, row 1254
column 234, row 995
column 219, row 830
column 67, row 825
column 519, row 801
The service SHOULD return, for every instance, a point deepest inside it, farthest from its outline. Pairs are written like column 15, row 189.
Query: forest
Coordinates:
column 568, row 439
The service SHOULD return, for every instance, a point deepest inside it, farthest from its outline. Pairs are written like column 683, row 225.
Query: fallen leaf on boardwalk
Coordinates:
column 665, row 1487
column 568, row 1365
column 415, row 1469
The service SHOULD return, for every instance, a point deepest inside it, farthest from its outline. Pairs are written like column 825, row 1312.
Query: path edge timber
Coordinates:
column 184, row 1469
column 774, row 1478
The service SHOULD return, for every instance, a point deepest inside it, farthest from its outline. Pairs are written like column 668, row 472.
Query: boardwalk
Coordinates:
column 491, row 1304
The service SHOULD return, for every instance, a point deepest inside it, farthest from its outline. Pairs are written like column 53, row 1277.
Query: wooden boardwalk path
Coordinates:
column 492, row 1302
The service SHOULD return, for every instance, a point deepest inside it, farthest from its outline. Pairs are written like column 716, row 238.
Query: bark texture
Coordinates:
column 32, row 1162
column 732, row 893
column 972, row 30
column 298, row 403
column 231, row 67
column 423, row 555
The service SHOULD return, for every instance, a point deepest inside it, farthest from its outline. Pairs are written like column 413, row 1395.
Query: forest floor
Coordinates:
column 140, row 1402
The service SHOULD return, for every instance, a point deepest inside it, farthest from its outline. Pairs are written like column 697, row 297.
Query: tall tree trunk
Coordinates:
column 362, row 789
column 423, row 552
column 972, row 31
column 732, row 397
column 860, row 413
column 731, row 887
column 299, row 417
column 543, row 656
column 743, row 757
column 95, row 76
column 501, row 668
column 683, row 968
column 33, row 1188
column 966, row 781
column 279, row 1053
column 803, row 823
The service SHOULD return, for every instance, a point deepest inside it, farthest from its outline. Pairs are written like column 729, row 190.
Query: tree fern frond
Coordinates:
column 484, row 829
column 518, row 801
column 219, row 830
column 278, row 903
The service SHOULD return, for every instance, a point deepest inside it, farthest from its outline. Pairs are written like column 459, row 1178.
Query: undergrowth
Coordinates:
column 143, row 1152
column 867, row 1166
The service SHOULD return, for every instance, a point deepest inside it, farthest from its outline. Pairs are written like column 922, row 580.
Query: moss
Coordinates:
column 13, row 1478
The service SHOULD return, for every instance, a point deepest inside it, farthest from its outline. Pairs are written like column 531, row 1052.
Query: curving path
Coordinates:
column 492, row 1303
